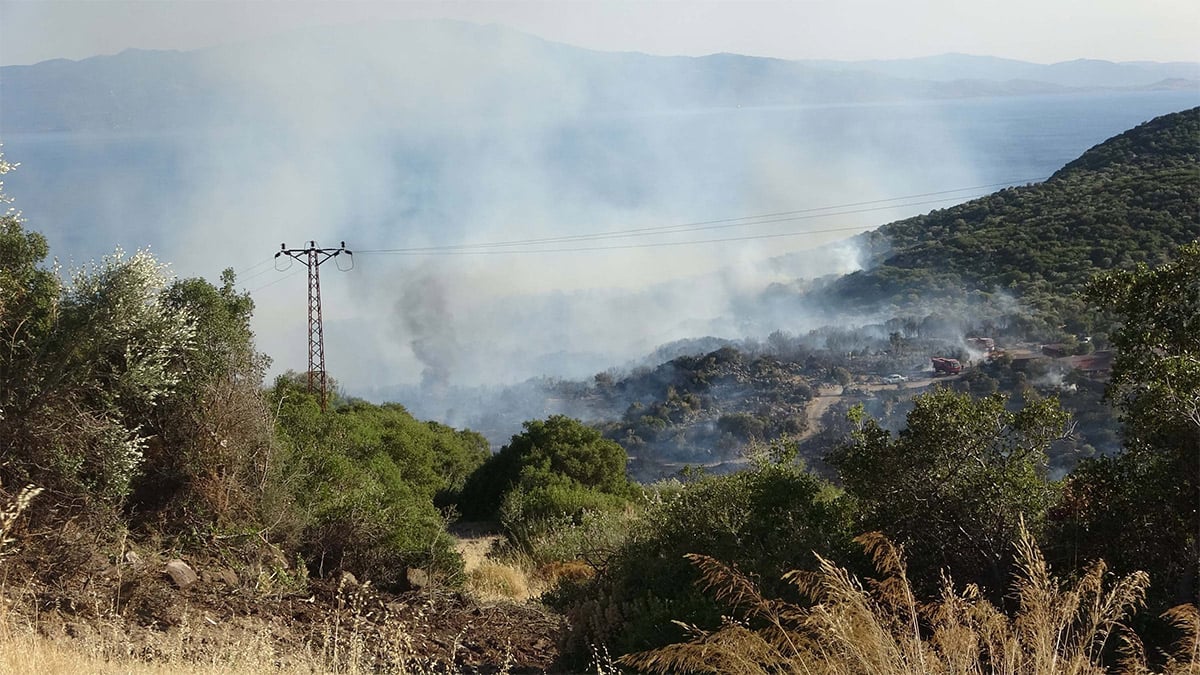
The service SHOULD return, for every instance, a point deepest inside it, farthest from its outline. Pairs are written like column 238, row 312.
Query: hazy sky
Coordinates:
column 1034, row 30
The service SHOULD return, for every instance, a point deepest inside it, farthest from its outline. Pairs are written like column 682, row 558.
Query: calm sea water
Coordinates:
column 91, row 192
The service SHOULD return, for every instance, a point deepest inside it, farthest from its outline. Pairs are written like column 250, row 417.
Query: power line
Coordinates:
column 254, row 267
column 509, row 247
column 272, row 283
column 258, row 273
column 744, row 221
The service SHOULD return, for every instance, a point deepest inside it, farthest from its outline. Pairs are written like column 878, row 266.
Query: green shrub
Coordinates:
column 86, row 362
column 773, row 516
column 557, row 520
column 364, row 477
column 954, row 485
column 560, row 452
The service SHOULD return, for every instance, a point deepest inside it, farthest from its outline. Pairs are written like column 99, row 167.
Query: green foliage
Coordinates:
column 1139, row 510
column 554, row 463
column 765, row 519
column 134, row 399
column 592, row 536
column 1060, row 626
column 212, row 460
column 85, row 364
column 1132, row 199
column 364, row 478
column 953, row 487
column 1156, row 374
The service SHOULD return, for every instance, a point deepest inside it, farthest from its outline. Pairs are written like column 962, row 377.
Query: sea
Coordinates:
column 88, row 192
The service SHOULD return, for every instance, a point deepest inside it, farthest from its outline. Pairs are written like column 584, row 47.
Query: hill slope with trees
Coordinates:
column 1132, row 199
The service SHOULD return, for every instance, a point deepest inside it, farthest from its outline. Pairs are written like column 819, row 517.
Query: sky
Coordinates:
column 1042, row 31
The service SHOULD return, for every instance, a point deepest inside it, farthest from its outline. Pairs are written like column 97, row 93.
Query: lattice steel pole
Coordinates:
column 312, row 257
column 316, row 331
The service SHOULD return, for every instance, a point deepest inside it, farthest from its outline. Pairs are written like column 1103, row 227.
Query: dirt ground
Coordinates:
column 136, row 611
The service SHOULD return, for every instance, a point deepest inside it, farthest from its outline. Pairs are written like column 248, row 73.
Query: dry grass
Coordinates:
column 492, row 580
column 26, row 652
column 351, row 642
column 489, row 577
column 107, row 645
column 495, row 572
column 1060, row 628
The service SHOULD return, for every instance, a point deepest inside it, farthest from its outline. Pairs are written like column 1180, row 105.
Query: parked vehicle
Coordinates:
column 944, row 366
column 895, row 378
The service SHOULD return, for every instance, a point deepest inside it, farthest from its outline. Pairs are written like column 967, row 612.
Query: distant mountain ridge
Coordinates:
column 437, row 60
column 1080, row 73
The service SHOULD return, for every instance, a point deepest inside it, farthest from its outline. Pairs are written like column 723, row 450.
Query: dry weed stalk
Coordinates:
column 1060, row 628
column 10, row 511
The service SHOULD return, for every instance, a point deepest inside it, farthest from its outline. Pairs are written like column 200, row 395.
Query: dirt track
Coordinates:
column 831, row 394
column 826, row 396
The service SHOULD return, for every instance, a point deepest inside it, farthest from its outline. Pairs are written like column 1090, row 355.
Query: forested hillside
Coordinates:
column 1131, row 199
column 1010, row 265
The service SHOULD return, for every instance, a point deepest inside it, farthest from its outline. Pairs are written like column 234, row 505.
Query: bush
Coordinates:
column 364, row 478
column 566, row 524
column 764, row 519
column 555, row 463
column 954, row 484
column 212, row 461
column 85, row 365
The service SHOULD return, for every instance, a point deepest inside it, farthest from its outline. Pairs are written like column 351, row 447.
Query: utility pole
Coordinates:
column 312, row 257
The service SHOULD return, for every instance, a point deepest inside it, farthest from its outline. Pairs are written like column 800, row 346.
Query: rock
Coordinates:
column 417, row 578
column 222, row 576
column 181, row 573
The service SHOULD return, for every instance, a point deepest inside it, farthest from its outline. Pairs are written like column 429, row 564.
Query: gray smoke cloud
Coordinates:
column 426, row 319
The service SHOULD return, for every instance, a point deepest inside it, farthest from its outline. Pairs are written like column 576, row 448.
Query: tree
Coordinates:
column 85, row 364
column 211, row 457
column 551, row 452
column 364, row 478
column 955, row 484
column 1139, row 509
column 1156, row 373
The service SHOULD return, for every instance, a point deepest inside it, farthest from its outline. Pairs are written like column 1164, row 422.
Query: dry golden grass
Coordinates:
column 880, row 627
column 488, row 576
column 34, row 654
column 492, row 580
column 46, row 645
column 358, row 632
column 573, row 570
column 498, row 573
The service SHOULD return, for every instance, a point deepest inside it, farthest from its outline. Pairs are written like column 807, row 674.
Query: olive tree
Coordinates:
column 955, row 484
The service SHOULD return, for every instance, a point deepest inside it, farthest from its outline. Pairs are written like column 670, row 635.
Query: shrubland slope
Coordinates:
column 1132, row 199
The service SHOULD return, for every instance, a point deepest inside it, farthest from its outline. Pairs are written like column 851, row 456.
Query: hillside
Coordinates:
column 1009, row 265
column 1129, row 200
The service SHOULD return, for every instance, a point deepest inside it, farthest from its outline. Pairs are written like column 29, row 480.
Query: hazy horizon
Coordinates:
column 1110, row 30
